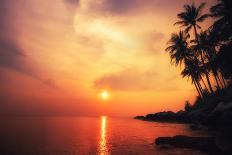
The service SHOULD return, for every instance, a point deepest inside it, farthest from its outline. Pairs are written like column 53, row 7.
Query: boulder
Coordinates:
column 194, row 127
column 222, row 107
column 150, row 116
column 205, row 144
column 220, row 116
column 139, row 117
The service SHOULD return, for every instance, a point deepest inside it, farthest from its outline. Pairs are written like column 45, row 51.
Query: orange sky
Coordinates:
column 57, row 56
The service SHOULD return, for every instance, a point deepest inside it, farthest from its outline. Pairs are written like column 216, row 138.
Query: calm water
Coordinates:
column 86, row 135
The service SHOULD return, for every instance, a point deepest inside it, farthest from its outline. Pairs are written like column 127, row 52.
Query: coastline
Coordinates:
column 213, row 115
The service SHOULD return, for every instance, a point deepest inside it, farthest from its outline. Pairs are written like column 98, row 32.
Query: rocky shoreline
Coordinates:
column 205, row 144
column 216, row 117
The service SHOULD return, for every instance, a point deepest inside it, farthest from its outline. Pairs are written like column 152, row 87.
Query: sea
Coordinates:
column 56, row 135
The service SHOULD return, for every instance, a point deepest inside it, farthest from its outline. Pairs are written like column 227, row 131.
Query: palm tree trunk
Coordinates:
column 203, row 62
column 210, row 86
column 220, row 81
column 201, row 89
column 223, row 79
column 204, row 84
column 215, row 77
column 200, row 95
column 206, row 75
column 196, row 35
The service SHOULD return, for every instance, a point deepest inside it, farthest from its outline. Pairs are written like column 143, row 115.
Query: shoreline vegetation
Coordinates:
column 205, row 58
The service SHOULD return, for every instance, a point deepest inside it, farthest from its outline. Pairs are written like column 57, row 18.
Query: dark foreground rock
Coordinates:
column 216, row 116
column 195, row 127
column 139, row 117
column 204, row 144
column 165, row 116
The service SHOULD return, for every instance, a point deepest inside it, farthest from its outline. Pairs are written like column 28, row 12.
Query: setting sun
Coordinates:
column 104, row 95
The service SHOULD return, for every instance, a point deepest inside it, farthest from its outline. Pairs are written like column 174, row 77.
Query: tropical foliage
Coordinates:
column 206, row 56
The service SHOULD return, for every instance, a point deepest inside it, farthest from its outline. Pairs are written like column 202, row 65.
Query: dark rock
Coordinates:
column 139, row 117
column 181, row 113
column 150, row 116
column 220, row 118
column 167, row 116
column 194, row 127
column 205, row 144
column 216, row 117
column 196, row 115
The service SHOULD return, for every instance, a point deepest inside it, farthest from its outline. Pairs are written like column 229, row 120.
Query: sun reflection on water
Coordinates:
column 103, row 150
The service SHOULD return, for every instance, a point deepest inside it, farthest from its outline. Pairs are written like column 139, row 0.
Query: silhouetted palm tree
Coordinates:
column 210, row 51
column 223, row 28
column 180, row 52
column 222, row 12
column 189, row 19
column 224, row 59
column 193, row 70
column 207, row 43
column 178, row 49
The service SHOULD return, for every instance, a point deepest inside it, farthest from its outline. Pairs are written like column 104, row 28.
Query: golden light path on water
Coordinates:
column 103, row 150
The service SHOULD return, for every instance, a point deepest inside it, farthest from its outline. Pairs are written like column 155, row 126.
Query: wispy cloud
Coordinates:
column 133, row 80
column 12, row 56
column 71, row 4
column 127, row 80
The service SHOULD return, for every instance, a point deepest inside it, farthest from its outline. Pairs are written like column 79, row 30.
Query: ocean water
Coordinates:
column 87, row 135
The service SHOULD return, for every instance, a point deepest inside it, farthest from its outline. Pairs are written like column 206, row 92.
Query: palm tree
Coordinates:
column 194, row 71
column 180, row 52
column 223, row 28
column 207, row 43
column 214, row 40
column 189, row 19
column 178, row 49
column 224, row 59
column 214, row 68
column 222, row 12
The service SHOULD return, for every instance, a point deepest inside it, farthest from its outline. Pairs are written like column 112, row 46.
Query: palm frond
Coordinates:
column 203, row 17
column 200, row 7
column 188, row 29
column 198, row 26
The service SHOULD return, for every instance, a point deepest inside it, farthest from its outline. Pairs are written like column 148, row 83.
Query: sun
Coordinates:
column 104, row 95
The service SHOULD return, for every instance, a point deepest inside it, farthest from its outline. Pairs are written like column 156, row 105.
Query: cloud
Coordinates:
column 110, row 7
column 156, row 36
column 151, row 41
column 12, row 55
column 50, row 82
column 135, row 80
column 119, row 7
column 126, row 80
column 71, row 4
column 122, row 7
column 13, row 58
